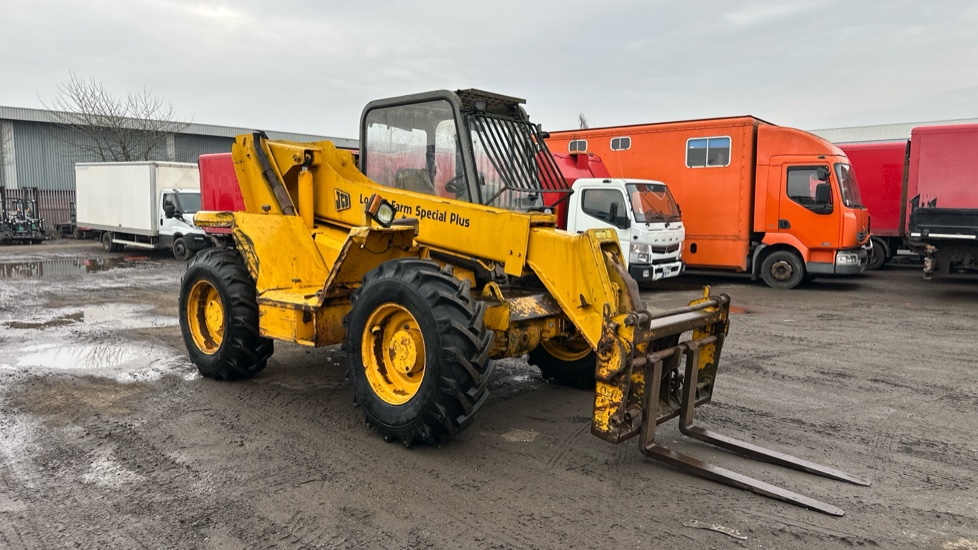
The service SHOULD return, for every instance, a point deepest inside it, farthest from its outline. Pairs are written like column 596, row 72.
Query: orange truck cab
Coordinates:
column 775, row 202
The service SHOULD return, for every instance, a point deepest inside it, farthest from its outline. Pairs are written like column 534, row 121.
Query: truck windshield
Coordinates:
column 847, row 186
column 188, row 203
column 652, row 202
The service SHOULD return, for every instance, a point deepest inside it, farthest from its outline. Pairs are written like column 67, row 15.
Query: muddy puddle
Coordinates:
column 72, row 339
column 67, row 267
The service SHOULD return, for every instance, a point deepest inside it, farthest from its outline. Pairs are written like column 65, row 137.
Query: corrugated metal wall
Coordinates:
column 38, row 156
column 190, row 146
column 44, row 160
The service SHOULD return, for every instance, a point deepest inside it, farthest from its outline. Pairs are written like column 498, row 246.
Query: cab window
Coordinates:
column 809, row 186
column 597, row 203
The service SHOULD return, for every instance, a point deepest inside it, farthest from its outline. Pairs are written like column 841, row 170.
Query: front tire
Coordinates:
column 219, row 317
column 569, row 363
column 418, row 352
column 180, row 249
column 878, row 255
column 782, row 269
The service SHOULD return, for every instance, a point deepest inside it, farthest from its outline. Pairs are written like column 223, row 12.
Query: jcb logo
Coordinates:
column 342, row 201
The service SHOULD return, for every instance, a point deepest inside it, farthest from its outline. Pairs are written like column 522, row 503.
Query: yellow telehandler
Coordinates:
column 436, row 255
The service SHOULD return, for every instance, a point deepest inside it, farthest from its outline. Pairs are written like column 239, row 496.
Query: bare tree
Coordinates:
column 583, row 121
column 109, row 128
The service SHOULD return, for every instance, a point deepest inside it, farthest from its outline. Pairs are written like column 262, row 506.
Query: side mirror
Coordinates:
column 822, row 173
column 169, row 210
column 621, row 222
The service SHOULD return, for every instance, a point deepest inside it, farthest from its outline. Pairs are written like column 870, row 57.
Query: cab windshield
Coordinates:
column 652, row 202
column 187, row 203
column 848, row 186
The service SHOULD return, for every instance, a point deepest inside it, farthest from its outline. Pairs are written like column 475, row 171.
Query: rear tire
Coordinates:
column 782, row 269
column 418, row 352
column 878, row 255
column 219, row 317
column 569, row 365
column 107, row 243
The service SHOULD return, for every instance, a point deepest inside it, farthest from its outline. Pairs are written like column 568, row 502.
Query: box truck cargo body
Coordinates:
column 141, row 204
column 778, row 203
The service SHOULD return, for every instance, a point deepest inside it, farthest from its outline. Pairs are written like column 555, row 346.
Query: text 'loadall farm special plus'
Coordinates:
column 436, row 257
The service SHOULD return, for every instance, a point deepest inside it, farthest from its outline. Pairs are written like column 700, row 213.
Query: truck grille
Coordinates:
column 665, row 249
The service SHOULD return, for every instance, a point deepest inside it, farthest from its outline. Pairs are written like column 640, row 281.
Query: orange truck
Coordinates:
column 775, row 202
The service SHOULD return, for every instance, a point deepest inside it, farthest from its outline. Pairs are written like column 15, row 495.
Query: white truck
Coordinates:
column 147, row 204
column 643, row 212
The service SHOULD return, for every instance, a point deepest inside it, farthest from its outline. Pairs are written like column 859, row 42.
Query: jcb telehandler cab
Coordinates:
column 436, row 257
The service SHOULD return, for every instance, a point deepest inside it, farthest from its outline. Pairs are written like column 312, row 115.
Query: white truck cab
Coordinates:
column 644, row 214
column 177, row 229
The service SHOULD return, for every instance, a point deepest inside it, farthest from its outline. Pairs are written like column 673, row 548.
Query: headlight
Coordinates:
column 847, row 258
column 639, row 254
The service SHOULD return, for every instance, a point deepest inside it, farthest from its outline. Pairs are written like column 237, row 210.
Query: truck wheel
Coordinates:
column 878, row 255
column 107, row 243
column 219, row 317
column 570, row 363
column 418, row 351
column 180, row 249
column 782, row 269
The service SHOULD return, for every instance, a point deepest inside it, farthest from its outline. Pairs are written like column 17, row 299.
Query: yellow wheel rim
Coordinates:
column 567, row 350
column 205, row 317
column 393, row 353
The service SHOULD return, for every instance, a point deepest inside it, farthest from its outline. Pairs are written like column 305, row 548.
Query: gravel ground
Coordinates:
column 110, row 439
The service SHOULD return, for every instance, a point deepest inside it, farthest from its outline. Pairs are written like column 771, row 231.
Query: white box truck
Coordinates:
column 147, row 204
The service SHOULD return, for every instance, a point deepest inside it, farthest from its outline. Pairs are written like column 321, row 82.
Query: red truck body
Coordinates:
column 879, row 171
column 574, row 166
column 922, row 195
column 942, row 197
column 943, row 164
column 219, row 189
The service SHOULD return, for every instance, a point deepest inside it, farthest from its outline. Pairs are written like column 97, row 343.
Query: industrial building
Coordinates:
column 36, row 155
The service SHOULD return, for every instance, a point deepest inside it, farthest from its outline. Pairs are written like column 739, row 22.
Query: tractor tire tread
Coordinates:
column 247, row 352
column 465, row 368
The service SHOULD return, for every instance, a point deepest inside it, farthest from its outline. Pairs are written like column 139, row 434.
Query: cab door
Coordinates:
column 604, row 207
column 809, row 207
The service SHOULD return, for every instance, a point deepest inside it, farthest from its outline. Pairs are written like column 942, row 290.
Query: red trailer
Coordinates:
column 922, row 195
column 879, row 170
column 941, row 192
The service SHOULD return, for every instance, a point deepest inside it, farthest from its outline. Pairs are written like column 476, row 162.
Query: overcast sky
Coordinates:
column 310, row 67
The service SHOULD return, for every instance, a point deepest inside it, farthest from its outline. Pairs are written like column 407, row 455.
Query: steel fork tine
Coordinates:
column 687, row 427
